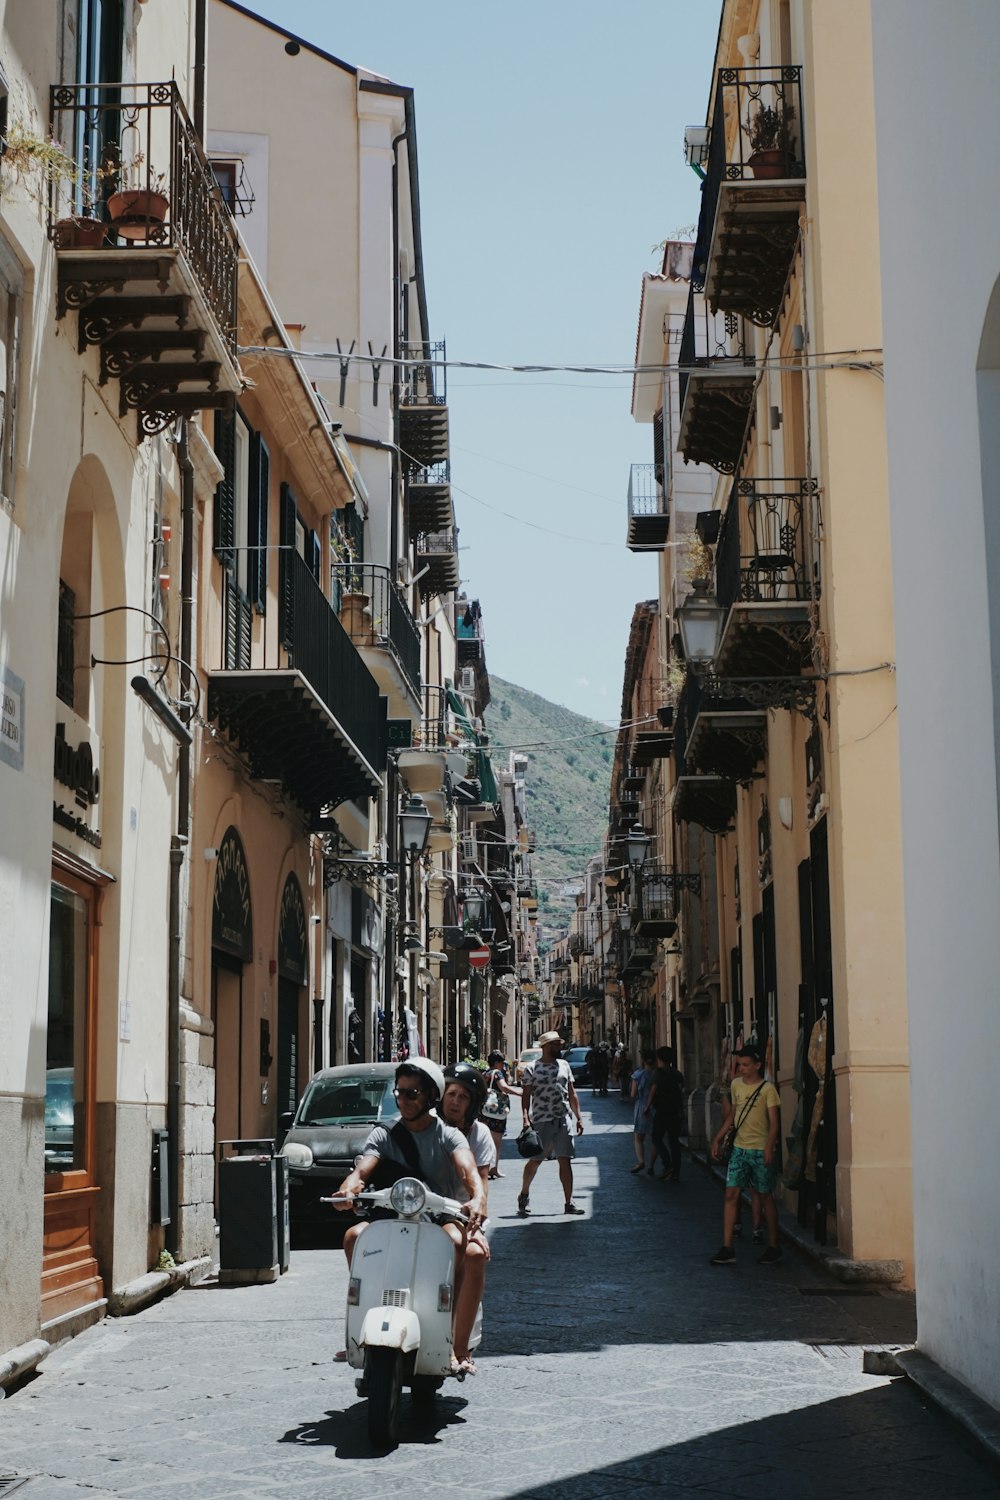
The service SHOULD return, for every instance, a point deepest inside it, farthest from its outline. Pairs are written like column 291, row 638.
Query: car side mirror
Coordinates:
column 285, row 1119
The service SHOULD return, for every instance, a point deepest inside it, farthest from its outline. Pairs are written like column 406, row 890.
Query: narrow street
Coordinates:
column 615, row 1359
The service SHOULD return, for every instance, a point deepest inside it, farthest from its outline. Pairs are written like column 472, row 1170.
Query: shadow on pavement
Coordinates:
column 875, row 1443
column 347, row 1431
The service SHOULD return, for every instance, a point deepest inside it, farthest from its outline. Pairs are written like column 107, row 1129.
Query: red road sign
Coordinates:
column 479, row 958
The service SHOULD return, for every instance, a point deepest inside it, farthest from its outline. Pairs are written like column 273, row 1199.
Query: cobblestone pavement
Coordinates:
column 616, row 1361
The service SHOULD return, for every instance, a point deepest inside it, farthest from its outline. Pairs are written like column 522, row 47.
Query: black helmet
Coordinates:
column 495, row 1057
column 471, row 1080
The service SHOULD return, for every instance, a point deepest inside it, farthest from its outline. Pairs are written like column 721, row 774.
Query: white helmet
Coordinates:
column 430, row 1070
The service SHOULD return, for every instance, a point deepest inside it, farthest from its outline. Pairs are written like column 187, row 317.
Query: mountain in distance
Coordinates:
column 567, row 787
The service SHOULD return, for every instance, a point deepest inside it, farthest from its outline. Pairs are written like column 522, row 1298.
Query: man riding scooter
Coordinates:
column 422, row 1145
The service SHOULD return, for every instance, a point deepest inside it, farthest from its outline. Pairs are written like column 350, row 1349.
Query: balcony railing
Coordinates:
column 437, row 561
column 389, row 623
column 715, row 386
column 298, row 700
column 423, row 405
column 767, row 543
column 745, row 194
column 136, row 181
column 648, row 513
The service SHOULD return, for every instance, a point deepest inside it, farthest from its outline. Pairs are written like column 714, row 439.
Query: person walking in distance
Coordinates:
column 754, row 1110
column 665, row 1106
column 642, row 1125
column 548, row 1100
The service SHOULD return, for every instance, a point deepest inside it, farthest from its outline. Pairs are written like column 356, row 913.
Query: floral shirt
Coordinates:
column 549, row 1084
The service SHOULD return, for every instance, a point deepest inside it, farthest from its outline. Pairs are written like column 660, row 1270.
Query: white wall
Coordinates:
column 938, row 121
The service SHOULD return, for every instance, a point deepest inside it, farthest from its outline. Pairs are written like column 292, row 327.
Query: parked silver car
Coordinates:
column 334, row 1119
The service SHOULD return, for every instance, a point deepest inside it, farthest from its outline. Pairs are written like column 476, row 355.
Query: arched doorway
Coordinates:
column 293, row 976
column 232, row 949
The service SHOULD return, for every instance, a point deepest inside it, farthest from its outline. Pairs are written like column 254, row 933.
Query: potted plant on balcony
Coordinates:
column 139, row 211
column 50, row 176
column 770, row 138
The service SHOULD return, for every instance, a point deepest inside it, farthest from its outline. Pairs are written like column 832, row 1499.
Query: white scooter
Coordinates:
column 400, row 1300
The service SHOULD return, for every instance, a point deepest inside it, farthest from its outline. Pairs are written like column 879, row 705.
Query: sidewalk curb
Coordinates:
column 980, row 1420
column 970, row 1411
column 135, row 1295
column 886, row 1273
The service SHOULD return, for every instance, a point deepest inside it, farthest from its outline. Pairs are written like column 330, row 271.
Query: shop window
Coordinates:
column 66, row 1053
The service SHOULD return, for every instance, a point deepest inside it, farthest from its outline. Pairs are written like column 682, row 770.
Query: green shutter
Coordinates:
column 260, row 475
column 224, row 511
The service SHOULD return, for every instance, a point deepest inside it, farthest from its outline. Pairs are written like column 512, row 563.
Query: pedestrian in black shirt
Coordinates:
column 666, row 1105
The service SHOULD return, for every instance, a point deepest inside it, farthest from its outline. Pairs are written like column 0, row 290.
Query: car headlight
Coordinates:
column 297, row 1155
column 408, row 1196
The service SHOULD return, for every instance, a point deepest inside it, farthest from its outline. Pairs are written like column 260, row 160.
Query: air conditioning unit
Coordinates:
column 470, row 851
column 465, row 680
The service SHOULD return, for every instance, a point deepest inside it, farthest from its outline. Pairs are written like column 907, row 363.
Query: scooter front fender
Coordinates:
column 390, row 1328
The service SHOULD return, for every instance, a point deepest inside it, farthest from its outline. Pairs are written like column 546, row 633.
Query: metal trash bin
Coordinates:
column 250, row 1243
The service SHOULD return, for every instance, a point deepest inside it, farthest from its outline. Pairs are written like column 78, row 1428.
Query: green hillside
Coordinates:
column 568, row 782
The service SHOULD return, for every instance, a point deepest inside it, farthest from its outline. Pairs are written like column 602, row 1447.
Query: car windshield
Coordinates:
column 577, row 1054
column 531, row 1055
column 343, row 1100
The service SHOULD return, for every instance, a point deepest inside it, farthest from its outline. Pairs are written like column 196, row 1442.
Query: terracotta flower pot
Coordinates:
column 80, row 232
column 773, row 163
column 137, row 213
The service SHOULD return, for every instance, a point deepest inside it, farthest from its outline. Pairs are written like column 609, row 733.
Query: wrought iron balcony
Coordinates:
column 648, row 514
column 716, row 384
column 753, row 192
column 707, row 799
column 655, row 902
column 436, row 555
column 725, row 736
column 376, row 616
column 146, row 249
column 423, row 406
column 767, row 575
column 296, row 699
column 638, row 955
column 469, row 637
column 428, row 500
column 632, row 781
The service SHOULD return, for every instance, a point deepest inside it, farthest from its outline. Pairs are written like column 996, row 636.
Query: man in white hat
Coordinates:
column 548, row 1100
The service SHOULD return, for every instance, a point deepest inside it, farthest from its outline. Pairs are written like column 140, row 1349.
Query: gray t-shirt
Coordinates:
column 435, row 1150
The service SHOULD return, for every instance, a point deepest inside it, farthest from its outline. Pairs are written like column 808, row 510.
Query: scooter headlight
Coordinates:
column 408, row 1196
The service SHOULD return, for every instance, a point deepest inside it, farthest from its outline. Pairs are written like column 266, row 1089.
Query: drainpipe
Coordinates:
column 200, row 48
column 396, row 289
column 178, row 851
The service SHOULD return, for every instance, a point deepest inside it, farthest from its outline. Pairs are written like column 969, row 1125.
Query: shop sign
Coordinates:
column 76, row 779
column 11, row 719
column 293, row 962
column 232, row 915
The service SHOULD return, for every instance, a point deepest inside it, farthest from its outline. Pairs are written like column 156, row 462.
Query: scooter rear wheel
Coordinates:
column 384, row 1374
column 423, row 1389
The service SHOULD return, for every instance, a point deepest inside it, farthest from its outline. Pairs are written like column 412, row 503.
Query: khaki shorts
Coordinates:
column 555, row 1138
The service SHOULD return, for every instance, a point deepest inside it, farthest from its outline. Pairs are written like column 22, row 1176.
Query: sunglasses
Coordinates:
column 408, row 1093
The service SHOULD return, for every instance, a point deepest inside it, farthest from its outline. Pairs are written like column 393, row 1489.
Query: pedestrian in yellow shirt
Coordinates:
column 754, row 1108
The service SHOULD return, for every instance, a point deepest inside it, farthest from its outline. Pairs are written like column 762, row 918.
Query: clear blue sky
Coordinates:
column 550, row 152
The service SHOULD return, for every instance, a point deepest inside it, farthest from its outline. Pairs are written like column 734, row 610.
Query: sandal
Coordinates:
column 340, row 1358
column 636, row 1168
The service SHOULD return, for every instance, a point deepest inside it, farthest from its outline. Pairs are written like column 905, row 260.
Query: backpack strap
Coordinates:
column 404, row 1140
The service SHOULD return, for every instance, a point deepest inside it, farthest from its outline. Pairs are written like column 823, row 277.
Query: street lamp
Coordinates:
column 473, row 910
column 637, row 842
column 414, row 825
column 700, row 619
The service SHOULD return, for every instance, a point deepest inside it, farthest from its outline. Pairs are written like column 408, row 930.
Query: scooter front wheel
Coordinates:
column 384, row 1375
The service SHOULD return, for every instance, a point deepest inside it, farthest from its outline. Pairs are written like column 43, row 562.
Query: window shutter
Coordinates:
column 314, row 554
column 260, row 475
column 286, row 584
column 224, row 512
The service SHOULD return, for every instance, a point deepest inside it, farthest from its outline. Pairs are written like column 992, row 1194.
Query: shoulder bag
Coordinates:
column 728, row 1141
